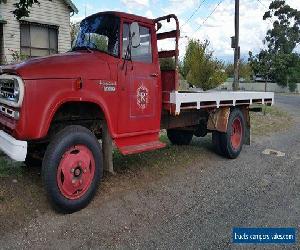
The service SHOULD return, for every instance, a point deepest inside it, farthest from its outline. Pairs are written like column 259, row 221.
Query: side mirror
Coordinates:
column 135, row 35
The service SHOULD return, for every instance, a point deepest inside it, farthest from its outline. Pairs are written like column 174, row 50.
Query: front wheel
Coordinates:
column 72, row 168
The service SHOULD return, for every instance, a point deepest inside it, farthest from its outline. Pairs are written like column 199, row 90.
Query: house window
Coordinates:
column 38, row 40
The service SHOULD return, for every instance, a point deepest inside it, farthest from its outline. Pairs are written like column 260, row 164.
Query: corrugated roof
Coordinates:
column 71, row 5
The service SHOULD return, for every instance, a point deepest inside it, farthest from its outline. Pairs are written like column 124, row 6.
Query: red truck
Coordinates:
column 110, row 87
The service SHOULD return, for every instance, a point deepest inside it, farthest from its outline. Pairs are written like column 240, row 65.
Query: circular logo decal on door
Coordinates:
column 142, row 96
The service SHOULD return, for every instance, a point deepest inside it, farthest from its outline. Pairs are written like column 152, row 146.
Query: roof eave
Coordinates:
column 72, row 6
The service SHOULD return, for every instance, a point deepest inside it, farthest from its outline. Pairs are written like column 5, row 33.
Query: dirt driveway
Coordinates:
column 191, row 199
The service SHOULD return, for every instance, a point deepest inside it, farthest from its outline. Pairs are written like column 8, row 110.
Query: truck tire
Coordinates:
column 180, row 137
column 232, row 141
column 72, row 169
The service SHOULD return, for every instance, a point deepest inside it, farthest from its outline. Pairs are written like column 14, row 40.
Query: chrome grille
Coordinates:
column 11, row 90
column 7, row 89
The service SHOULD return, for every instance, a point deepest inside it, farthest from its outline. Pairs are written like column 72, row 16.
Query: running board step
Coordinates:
column 135, row 149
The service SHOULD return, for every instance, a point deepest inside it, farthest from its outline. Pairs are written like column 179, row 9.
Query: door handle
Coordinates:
column 154, row 75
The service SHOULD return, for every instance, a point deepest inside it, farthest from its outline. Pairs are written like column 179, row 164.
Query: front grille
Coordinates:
column 7, row 89
column 7, row 124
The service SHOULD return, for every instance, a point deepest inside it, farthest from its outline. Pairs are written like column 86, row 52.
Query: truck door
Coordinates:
column 140, row 94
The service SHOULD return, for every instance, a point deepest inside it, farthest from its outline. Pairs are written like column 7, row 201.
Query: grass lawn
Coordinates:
column 271, row 120
column 9, row 168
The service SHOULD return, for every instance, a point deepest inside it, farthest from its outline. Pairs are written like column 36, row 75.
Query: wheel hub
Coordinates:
column 236, row 133
column 76, row 172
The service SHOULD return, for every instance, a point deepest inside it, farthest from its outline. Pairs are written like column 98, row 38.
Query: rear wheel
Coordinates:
column 231, row 142
column 180, row 137
column 72, row 168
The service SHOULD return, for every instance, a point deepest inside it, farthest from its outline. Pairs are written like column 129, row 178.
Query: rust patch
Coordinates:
column 218, row 120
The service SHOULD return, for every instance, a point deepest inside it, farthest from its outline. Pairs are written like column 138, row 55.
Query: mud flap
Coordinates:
column 247, row 140
column 218, row 120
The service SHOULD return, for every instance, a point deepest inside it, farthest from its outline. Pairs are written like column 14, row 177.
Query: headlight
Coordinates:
column 16, row 90
column 11, row 90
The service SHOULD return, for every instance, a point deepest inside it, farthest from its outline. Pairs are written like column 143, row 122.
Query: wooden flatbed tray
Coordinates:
column 198, row 100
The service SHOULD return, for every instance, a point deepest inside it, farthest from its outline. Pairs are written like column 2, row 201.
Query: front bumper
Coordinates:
column 16, row 150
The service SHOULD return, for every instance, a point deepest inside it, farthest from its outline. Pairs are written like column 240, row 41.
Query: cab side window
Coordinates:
column 142, row 53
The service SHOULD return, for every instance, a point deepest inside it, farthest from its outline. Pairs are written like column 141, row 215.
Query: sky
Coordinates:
column 199, row 19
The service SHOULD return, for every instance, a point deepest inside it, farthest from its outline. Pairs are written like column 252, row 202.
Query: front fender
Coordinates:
column 47, row 96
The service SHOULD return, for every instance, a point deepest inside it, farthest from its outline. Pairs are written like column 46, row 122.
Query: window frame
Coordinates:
column 1, row 43
column 48, row 27
column 145, row 25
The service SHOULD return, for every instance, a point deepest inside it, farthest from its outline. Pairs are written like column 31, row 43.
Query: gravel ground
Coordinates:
column 195, row 206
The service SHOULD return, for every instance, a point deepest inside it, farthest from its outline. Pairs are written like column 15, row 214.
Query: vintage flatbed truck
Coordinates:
column 110, row 87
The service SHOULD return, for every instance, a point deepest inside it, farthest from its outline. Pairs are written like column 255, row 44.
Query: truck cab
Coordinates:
column 68, row 109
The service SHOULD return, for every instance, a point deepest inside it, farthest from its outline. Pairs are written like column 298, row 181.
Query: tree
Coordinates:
column 200, row 68
column 261, row 63
column 74, row 31
column 285, row 34
column 22, row 7
column 279, row 62
column 244, row 68
column 167, row 63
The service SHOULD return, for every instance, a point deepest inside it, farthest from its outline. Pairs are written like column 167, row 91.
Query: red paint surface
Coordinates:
column 236, row 133
column 51, row 82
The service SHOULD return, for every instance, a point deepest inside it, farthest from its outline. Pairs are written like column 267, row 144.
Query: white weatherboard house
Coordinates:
column 46, row 31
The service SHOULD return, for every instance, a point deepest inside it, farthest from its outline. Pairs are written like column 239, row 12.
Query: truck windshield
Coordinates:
column 100, row 33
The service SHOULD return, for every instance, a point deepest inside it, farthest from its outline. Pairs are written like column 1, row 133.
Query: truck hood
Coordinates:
column 69, row 65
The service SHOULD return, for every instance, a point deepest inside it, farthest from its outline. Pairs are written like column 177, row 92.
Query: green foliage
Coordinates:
column 22, row 7
column 18, row 56
column 279, row 63
column 8, row 168
column 280, row 68
column 200, row 68
column 167, row 63
column 99, row 41
column 285, row 34
column 261, row 63
column 294, row 71
column 245, row 70
column 292, row 86
column 74, row 31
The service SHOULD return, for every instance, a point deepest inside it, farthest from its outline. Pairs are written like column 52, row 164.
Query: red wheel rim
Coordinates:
column 75, row 172
column 236, row 133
